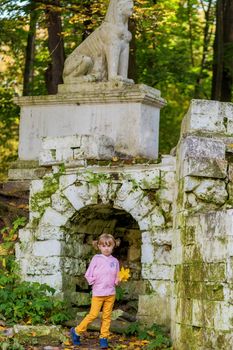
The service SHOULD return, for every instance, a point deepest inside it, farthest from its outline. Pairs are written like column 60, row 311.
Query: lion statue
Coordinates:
column 104, row 54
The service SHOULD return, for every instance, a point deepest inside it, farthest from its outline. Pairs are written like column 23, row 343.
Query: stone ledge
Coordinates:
column 90, row 93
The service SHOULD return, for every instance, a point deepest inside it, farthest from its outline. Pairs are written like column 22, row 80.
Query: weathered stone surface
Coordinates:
column 95, row 111
column 203, row 116
column 203, row 241
column 80, row 299
column 47, row 248
column 26, row 174
column 146, row 179
column 57, row 150
column 147, row 312
column 39, row 331
column 212, row 191
column 46, row 265
column 156, row 272
column 60, row 203
column 49, row 232
column 52, row 217
column 183, row 209
column 205, row 167
column 202, row 147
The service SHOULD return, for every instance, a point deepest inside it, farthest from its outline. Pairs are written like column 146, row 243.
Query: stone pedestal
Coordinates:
column 125, row 116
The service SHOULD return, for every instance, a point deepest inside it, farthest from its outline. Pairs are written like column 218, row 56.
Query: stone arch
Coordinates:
column 121, row 195
column 44, row 253
column 84, row 227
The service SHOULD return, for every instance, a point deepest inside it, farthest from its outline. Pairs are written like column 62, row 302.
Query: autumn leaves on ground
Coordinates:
column 89, row 342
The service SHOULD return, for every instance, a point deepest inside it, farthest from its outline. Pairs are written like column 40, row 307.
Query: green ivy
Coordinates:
column 155, row 334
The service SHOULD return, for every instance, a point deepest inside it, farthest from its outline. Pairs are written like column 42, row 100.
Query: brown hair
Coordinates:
column 106, row 239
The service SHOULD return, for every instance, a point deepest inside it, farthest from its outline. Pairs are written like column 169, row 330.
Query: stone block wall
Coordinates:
column 175, row 220
column 201, row 303
column 70, row 206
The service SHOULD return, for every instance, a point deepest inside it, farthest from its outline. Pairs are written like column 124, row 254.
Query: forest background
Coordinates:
column 182, row 47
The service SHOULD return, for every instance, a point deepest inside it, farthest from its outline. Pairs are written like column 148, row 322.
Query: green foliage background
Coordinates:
column 170, row 46
column 24, row 302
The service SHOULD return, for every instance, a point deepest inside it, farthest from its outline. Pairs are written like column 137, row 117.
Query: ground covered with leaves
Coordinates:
column 32, row 318
column 89, row 342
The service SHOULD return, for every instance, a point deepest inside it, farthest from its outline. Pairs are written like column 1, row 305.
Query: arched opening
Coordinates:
column 84, row 227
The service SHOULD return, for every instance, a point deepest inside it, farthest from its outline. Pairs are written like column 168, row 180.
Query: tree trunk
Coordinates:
column 132, row 71
column 30, row 52
column 222, row 82
column 207, row 33
column 53, row 75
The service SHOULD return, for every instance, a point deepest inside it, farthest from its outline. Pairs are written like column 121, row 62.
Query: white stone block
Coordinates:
column 205, row 116
column 49, row 232
column 212, row 191
column 25, row 235
column 59, row 202
column 67, row 180
column 228, row 292
column 147, row 251
column 162, row 288
column 223, row 317
column 167, row 159
column 202, row 147
column 92, row 197
column 141, row 209
column 157, row 218
column 131, row 201
column 228, row 113
column 162, row 236
column 124, row 191
column 36, row 186
column 96, row 112
column 61, row 142
column 177, row 255
column 204, row 167
column 103, row 188
column 43, row 265
column 76, row 196
column 154, row 309
column 33, row 215
column 156, row 272
column 47, row 248
column 197, row 313
column 162, row 254
column 190, row 183
column 146, row 237
column 73, row 267
column 63, row 155
column 166, row 195
column 52, row 217
column 146, row 179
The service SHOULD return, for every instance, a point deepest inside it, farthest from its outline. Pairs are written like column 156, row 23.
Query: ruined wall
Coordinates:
column 72, row 205
column 202, row 308
column 185, row 204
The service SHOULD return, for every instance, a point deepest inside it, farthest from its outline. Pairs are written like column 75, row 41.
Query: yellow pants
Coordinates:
column 106, row 303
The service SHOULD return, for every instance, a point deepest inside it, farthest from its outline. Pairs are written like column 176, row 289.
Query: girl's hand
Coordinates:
column 117, row 281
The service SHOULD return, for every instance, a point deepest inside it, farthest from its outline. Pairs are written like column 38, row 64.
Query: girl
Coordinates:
column 102, row 274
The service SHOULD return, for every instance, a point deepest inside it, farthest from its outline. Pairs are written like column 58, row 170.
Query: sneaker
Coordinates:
column 103, row 343
column 75, row 337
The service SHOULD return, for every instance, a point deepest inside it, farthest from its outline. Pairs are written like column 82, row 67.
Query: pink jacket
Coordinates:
column 102, row 274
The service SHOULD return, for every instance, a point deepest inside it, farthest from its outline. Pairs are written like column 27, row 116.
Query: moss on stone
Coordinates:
column 41, row 200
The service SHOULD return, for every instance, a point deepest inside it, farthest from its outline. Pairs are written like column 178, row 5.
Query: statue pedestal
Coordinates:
column 126, row 115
